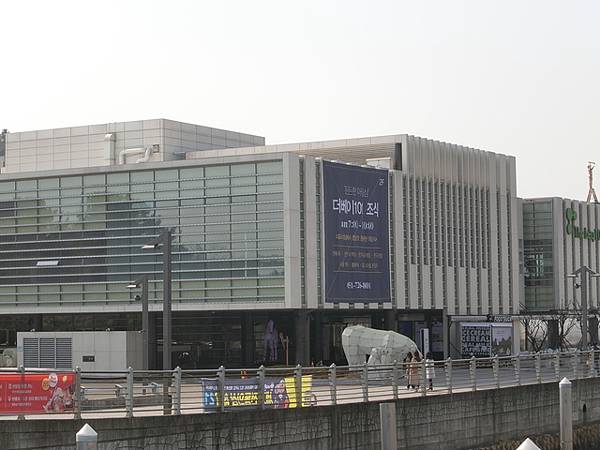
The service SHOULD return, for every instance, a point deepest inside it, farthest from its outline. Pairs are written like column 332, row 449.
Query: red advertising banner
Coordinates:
column 35, row 393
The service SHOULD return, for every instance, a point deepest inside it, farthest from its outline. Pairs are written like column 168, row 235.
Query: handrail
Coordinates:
column 127, row 393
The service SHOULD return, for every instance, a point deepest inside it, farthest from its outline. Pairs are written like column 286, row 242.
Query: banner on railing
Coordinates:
column 34, row 393
column 279, row 393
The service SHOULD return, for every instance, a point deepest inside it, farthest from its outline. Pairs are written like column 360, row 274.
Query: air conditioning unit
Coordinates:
column 89, row 350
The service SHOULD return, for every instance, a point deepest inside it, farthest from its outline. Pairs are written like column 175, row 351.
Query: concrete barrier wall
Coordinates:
column 459, row 421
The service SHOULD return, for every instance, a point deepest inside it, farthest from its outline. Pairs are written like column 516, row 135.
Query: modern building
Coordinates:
column 257, row 259
column 560, row 236
column 3, row 134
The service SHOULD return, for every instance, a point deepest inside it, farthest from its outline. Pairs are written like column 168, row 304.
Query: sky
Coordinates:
column 514, row 77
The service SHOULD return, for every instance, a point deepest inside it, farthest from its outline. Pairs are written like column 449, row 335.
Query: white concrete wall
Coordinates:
column 463, row 201
column 73, row 147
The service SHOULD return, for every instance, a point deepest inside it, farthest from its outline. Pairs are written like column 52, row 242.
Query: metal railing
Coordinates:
column 140, row 393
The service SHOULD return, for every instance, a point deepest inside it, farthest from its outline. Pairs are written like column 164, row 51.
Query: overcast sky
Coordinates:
column 515, row 77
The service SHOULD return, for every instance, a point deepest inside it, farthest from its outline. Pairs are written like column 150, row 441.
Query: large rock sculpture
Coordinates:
column 383, row 347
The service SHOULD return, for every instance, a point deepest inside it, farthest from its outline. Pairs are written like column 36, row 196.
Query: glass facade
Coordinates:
column 538, row 255
column 76, row 240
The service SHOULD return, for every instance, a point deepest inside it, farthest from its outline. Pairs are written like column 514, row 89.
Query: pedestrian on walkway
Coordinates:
column 408, row 366
column 415, row 369
column 430, row 370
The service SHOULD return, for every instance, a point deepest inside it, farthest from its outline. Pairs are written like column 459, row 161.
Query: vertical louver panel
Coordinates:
column 31, row 352
column 64, row 353
column 47, row 353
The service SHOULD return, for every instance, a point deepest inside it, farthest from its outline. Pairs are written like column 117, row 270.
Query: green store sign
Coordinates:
column 577, row 232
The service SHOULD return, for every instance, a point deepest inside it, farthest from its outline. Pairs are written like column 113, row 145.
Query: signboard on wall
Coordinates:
column 476, row 340
column 502, row 340
column 36, row 392
column 486, row 339
column 356, row 234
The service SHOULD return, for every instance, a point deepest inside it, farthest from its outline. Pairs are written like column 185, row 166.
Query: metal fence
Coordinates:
column 139, row 393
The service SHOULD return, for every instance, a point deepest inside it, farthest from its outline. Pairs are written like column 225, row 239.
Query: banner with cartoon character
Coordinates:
column 243, row 393
column 32, row 393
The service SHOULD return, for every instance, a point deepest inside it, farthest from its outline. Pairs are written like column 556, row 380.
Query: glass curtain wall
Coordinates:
column 538, row 254
column 76, row 240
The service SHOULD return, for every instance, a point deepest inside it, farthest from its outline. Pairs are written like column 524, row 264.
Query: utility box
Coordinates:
column 89, row 350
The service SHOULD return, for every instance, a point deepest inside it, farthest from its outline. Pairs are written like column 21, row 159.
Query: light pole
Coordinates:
column 164, row 240
column 143, row 283
column 584, row 272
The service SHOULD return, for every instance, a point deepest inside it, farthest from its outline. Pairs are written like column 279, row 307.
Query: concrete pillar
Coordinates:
column 593, row 330
column 248, row 341
column 528, row 444
column 387, row 419
column 446, row 333
column 516, row 336
column 302, row 340
column 553, row 334
column 389, row 320
column 86, row 438
column 566, row 415
column 153, row 317
column 316, row 353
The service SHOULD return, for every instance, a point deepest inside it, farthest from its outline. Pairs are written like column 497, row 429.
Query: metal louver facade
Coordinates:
column 48, row 353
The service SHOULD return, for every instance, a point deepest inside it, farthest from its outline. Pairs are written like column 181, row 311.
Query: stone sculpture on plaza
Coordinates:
column 383, row 347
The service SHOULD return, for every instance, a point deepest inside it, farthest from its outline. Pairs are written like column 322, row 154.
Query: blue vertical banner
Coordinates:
column 356, row 234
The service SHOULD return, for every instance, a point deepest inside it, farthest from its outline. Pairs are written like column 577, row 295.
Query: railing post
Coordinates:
column 261, row 387
column 177, row 402
column 557, row 366
column 365, row 382
column 395, row 380
column 333, row 384
column 518, row 369
column 472, row 370
column 449, row 375
column 221, row 388
column 129, row 397
column 166, row 388
column 496, row 369
column 77, row 399
column 298, row 385
column 575, row 361
column 22, row 372
column 538, row 367
column 423, row 377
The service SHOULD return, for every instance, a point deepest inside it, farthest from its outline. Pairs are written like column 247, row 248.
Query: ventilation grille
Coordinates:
column 64, row 353
column 31, row 352
column 48, row 353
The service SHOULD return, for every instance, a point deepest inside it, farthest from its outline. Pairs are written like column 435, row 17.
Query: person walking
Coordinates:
column 415, row 368
column 429, row 370
column 408, row 366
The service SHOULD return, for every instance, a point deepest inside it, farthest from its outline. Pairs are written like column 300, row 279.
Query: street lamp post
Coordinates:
column 584, row 272
column 143, row 283
column 164, row 240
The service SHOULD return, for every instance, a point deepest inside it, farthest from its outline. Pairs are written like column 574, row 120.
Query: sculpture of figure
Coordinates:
column 384, row 347
column 375, row 358
column 270, row 342
column 591, row 191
